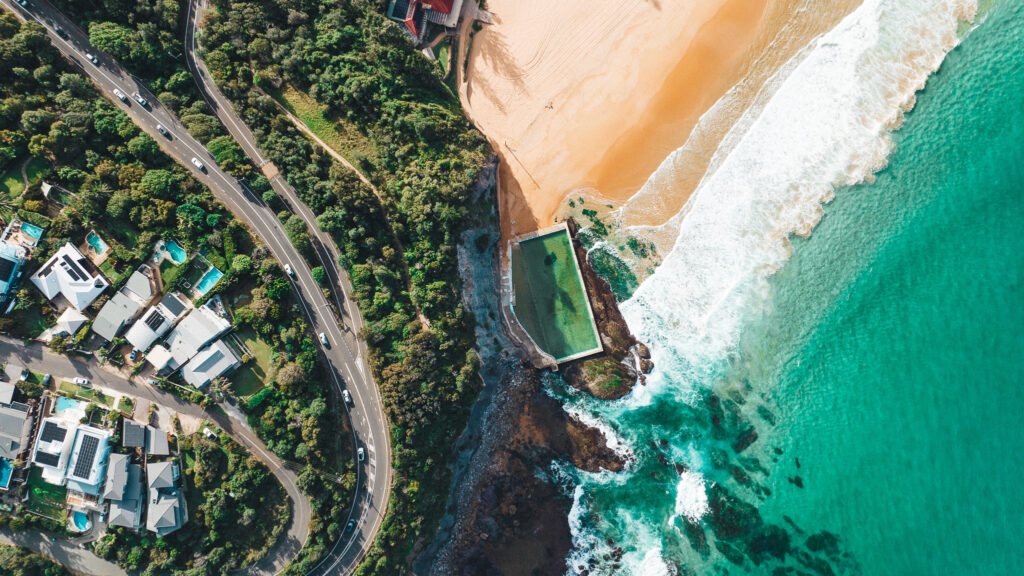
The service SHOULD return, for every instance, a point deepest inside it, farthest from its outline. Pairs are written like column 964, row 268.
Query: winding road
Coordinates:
column 344, row 357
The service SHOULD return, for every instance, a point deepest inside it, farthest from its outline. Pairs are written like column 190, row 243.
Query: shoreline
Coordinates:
column 603, row 123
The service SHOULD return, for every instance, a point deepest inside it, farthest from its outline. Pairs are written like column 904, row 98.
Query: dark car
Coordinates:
column 24, row 3
column 60, row 32
column 350, row 526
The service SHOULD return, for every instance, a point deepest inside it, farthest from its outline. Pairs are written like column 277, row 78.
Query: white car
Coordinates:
column 120, row 95
column 324, row 340
column 140, row 99
column 346, row 396
column 81, row 381
column 92, row 58
column 288, row 270
column 361, row 454
column 198, row 164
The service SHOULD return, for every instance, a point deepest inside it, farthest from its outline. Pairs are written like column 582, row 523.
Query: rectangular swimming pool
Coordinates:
column 208, row 280
column 6, row 469
column 550, row 298
column 31, row 230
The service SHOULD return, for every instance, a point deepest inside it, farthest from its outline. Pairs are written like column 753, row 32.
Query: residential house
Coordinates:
column 157, row 321
column 414, row 15
column 216, row 360
column 72, row 276
column 156, row 442
column 166, row 510
column 12, row 260
column 199, row 328
column 133, row 434
column 15, row 431
column 125, row 305
column 73, row 455
column 123, row 490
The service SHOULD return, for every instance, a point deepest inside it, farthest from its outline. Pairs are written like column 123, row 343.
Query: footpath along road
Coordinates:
column 344, row 354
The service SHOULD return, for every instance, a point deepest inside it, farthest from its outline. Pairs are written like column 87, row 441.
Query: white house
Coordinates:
column 71, row 275
column 157, row 321
column 216, row 360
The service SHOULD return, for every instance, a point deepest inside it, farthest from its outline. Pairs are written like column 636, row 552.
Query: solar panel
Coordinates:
column 47, row 459
column 86, row 456
column 72, row 269
column 155, row 321
column 52, row 432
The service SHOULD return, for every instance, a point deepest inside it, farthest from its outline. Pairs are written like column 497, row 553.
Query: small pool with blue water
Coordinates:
column 31, row 230
column 96, row 243
column 6, row 468
column 69, row 404
column 80, row 521
column 208, row 280
column 175, row 251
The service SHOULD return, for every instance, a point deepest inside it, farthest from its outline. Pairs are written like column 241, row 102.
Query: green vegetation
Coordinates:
column 126, row 405
column 15, row 561
column 259, row 371
column 236, row 512
column 45, row 498
column 361, row 69
column 342, row 136
column 551, row 302
column 11, row 181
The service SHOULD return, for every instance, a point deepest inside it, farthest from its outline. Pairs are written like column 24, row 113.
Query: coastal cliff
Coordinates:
column 506, row 514
column 625, row 360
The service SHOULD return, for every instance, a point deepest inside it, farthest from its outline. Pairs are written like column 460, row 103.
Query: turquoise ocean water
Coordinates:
column 871, row 419
column 894, row 352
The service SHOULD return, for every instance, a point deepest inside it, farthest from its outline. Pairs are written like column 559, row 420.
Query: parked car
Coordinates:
column 346, row 396
column 81, row 381
column 46, row 380
column 120, row 95
column 361, row 454
column 162, row 130
column 24, row 3
column 198, row 164
column 151, row 382
column 324, row 340
column 350, row 526
column 92, row 58
column 142, row 101
column 134, row 355
column 288, row 270
column 60, row 32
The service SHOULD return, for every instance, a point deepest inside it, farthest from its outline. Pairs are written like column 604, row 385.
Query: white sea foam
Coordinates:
column 691, row 497
column 826, row 125
column 612, row 438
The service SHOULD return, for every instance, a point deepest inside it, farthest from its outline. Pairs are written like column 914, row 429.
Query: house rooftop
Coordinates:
column 15, row 429
column 216, row 360
column 156, row 321
column 127, row 510
column 133, row 434
column 71, row 275
column 197, row 329
column 156, row 442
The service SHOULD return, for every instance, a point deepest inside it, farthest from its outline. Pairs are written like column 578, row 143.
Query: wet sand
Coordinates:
column 592, row 97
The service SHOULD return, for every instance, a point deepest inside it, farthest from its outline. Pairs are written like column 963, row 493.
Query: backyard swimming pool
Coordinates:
column 96, row 243
column 173, row 250
column 208, row 280
column 6, row 468
column 80, row 521
column 69, row 404
column 31, row 230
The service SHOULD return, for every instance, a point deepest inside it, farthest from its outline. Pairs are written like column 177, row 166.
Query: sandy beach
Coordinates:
column 591, row 97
